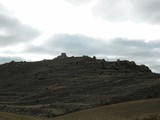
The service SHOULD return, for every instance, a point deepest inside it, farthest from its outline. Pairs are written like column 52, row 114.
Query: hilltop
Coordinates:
column 66, row 84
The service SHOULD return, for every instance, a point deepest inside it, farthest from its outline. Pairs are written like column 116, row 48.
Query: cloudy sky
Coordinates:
column 34, row 30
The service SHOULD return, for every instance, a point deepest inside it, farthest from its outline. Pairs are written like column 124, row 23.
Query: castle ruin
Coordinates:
column 62, row 56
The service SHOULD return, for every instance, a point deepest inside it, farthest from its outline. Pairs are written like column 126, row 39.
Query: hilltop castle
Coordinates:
column 62, row 56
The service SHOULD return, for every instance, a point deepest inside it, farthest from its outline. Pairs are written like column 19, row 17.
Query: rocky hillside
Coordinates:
column 65, row 84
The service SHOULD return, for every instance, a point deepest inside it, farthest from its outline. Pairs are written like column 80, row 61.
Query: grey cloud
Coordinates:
column 136, row 50
column 155, row 68
column 79, row 44
column 112, row 10
column 147, row 10
column 72, row 44
column 123, row 10
column 14, row 31
column 75, row 44
column 6, row 59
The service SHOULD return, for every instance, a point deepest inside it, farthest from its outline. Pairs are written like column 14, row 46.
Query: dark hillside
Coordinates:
column 63, row 85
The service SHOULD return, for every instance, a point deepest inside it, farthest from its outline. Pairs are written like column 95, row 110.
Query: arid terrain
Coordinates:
column 135, row 110
column 51, row 88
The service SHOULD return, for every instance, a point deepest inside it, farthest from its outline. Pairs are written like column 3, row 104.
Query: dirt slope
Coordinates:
column 122, row 111
column 10, row 116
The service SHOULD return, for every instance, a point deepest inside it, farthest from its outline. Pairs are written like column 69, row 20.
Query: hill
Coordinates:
column 67, row 84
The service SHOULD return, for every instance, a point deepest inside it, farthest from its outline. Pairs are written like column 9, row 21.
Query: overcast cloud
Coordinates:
column 134, row 10
column 71, row 44
column 7, row 59
column 110, row 29
column 12, row 31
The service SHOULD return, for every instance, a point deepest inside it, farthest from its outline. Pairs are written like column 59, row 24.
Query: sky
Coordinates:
column 33, row 30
